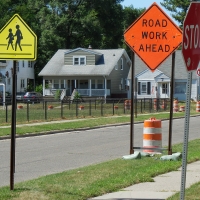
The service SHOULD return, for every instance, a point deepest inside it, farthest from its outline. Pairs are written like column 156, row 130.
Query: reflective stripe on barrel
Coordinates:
column 152, row 135
column 198, row 106
column 175, row 108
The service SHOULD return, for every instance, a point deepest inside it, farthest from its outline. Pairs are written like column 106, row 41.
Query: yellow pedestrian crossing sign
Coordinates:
column 17, row 40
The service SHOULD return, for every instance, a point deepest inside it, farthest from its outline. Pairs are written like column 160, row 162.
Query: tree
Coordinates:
column 130, row 15
column 68, row 24
column 178, row 8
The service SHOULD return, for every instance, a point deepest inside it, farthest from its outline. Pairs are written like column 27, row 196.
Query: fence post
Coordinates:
column 76, row 109
column 6, row 112
column 45, row 110
column 150, row 105
column 101, row 108
column 27, row 111
column 69, row 104
column 61, row 106
column 90, row 107
column 124, row 107
column 113, row 108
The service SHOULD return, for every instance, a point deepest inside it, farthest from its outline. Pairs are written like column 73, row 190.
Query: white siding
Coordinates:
column 25, row 71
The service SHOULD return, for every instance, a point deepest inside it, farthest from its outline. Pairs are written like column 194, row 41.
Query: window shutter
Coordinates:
column 139, row 89
column 148, row 87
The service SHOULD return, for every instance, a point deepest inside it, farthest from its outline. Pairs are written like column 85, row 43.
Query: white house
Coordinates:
column 157, row 84
column 92, row 72
column 25, row 75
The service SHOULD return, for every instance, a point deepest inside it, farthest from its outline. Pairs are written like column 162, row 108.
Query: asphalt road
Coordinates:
column 43, row 155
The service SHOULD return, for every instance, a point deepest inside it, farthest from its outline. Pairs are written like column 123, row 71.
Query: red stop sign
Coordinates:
column 191, row 37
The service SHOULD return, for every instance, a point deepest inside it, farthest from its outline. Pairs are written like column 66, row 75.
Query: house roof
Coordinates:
column 87, row 50
column 110, row 57
column 180, row 71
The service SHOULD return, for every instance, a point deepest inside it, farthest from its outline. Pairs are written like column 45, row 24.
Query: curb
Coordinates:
column 79, row 129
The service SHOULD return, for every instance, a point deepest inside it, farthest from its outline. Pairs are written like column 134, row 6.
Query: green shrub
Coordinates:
column 57, row 94
column 77, row 95
column 39, row 88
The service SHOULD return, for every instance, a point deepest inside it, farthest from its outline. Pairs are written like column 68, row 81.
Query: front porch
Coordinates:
column 91, row 87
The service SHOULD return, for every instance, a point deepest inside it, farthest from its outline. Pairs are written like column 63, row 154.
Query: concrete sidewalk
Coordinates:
column 164, row 186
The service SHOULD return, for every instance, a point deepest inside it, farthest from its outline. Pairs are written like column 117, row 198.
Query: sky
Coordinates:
column 146, row 4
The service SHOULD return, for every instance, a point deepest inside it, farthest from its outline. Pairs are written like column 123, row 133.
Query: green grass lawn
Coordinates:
column 95, row 180
column 102, row 178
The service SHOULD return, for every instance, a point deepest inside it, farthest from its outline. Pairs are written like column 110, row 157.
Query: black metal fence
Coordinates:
column 48, row 110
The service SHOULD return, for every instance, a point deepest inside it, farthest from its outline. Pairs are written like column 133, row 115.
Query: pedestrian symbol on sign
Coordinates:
column 11, row 37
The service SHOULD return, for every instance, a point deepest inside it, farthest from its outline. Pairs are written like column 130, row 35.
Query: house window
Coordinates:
column 144, row 88
column 180, row 87
column 23, row 63
column 56, row 84
column 22, row 83
column 62, row 83
column 122, row 64
column 80, row 60
column 164, row 88
column 116, row 67
column 99, row 84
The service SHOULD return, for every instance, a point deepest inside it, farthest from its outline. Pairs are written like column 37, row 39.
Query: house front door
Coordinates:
column 164, row 90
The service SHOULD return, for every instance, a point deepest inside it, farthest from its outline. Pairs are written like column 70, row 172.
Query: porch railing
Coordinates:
column 94, row 92
column 82, row 92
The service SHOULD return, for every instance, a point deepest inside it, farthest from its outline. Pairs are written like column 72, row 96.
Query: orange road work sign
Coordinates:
column 153, row 36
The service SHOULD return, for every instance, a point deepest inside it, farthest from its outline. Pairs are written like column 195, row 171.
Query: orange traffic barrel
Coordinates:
column 127, row 104
column 182, row 108
column 152, row 135
column 175, row 107
column 198, row 106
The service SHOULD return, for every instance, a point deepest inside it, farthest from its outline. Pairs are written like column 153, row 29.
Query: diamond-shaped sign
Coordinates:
column 17, row 40
column 153, row 36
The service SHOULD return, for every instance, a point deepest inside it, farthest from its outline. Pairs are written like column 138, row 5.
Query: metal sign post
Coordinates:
column 186, row 136
column 13, row 128
column 17, row 42
column 171, row 105
column 132, row 102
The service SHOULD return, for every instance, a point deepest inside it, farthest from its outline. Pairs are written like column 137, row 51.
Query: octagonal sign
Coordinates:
column 153, row 36
column 191, row 37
